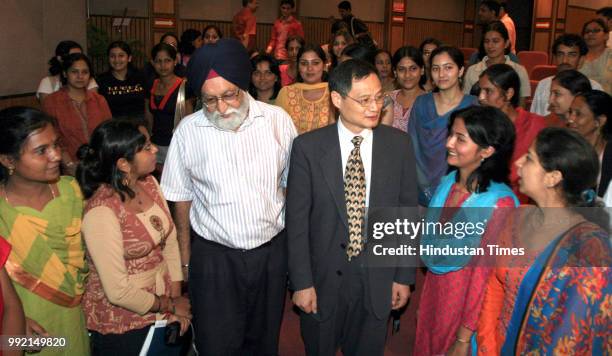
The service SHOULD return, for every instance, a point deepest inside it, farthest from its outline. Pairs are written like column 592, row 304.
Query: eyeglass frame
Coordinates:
column 222, row 98
column 368, row 102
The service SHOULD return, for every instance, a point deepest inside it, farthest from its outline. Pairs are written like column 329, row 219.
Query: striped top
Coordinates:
column 234, row 179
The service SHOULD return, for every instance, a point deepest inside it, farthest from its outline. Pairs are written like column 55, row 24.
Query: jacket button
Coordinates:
column 338, row 272
column 343, row 246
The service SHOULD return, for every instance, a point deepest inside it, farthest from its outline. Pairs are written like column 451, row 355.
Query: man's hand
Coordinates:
column 306, row 300
column 399, row 295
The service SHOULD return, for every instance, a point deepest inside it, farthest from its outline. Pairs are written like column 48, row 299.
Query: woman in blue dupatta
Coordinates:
column 564, row 301
column 479, row 144
column 428, row 123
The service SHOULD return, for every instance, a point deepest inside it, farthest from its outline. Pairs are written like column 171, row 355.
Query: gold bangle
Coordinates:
column 463, row 341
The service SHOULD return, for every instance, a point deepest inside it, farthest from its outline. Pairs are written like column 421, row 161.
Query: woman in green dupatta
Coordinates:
column 40, row 216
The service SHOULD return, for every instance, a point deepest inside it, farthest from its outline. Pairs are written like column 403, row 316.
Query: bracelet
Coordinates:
column 463, row 341
column 186, row 265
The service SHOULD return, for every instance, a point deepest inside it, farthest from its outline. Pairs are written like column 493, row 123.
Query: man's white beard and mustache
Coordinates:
column 234, row 117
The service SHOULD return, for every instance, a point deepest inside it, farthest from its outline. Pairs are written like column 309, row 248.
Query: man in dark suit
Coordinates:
column 334, row 173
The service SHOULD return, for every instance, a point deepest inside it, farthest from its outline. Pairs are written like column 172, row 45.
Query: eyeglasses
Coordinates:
column 229, row 97
column 592, row 30
column 367, row 102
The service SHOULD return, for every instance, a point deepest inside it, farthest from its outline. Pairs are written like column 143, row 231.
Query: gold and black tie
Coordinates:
column 355, row 196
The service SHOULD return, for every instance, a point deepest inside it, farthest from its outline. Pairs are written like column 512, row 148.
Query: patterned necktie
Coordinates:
column 355, row 196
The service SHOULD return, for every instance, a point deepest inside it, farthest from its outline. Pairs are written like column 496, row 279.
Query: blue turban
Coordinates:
column 228, row 58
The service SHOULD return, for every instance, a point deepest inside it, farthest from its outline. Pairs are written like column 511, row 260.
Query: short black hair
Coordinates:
column 488, row 127
column 605, row 12
column 345, row 5
column 571, row 40
column 492, row 5
column 360, row 51
column 341, row 78
column 430, row 40
column 287, row 2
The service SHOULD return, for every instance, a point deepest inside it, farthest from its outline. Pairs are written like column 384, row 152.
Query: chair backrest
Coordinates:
column 542, row 71
column 530, row 59
column 529, row 100
column 467, row 52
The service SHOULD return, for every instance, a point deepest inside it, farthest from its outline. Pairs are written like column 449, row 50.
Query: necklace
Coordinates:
column 6, row 198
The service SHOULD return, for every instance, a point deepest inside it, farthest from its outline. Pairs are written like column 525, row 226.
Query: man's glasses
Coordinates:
column 229, row 97
column 367, row 102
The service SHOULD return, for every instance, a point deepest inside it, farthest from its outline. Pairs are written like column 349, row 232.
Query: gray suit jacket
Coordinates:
column 316, row 218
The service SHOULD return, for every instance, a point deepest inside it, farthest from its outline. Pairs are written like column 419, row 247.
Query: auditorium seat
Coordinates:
column 542, row 71
column 530, row 59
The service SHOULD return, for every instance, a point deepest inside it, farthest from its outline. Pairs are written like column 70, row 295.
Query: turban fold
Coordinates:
column 227, row 58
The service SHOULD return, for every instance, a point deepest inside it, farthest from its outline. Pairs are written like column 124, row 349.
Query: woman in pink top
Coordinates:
column 409, row 72
column 289, row 71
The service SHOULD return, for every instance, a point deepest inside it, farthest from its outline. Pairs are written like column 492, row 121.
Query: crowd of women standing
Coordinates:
column 95, row 250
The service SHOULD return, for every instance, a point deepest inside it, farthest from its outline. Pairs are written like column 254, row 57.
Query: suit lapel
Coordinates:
column 331, row 165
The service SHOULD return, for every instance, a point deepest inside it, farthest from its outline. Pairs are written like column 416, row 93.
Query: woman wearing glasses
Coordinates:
column 598, row 61
column 265, row 79
column 166, row 104
column 307, row 101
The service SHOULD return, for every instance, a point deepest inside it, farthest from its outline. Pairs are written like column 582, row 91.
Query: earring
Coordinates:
column 126, row 179
column 11, row 170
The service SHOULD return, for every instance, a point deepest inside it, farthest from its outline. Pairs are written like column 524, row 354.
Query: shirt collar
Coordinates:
column 346, row 135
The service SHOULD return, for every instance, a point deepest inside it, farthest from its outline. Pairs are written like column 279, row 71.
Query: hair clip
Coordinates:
column 588, row 195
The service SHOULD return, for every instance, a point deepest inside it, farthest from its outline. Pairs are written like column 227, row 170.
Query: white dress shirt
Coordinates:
column 346, row 146
column 234, row 179
column 539, row 105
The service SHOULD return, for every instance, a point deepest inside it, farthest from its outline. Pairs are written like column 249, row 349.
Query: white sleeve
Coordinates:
column 539, row 105
column 44, row 87
column 608, row 196
column 176, row 180
column 92, row 84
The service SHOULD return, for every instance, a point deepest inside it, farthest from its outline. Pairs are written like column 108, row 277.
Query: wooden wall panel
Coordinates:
column 136, row 35
column 416, row 30
column 576, row 17
column 28, row 100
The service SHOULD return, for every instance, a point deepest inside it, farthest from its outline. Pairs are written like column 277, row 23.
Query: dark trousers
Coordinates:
column 126, row 344
column 353, row 328
column 237, row 296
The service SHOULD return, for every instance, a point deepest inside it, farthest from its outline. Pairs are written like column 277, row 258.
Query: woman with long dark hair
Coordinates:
column 429, row 117
column 479, row 145
column 597, row 60
column 131, row 241
column 554, row 299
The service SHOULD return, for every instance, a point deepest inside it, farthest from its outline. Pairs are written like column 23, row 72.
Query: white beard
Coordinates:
column 234, row 116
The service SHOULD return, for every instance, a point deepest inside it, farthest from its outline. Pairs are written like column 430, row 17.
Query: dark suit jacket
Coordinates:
column 316, row 218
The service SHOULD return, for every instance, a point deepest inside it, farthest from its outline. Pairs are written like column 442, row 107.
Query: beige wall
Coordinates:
column 31, row 30
column 446, row 10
